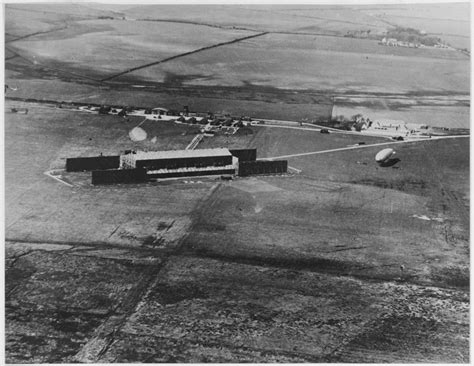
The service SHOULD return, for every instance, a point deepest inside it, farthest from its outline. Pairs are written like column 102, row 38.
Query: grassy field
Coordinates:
column 275, row 141
column 345, row 261
column 107, row 46
column 21, row 20
column 277, row 18
column 55, row 135
column 345, row 191
column 323, row 63
column 288, row 76
column 350, row 45
column 255, row 102
column 450, row 22
column 318, row 69
column 223, row 271
column 428, row 164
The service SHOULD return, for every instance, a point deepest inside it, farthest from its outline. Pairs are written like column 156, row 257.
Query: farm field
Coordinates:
column 272, row 141
column 326, row 66
column 350, row 45
column 451, row 25
column 100, row 45
column 320, row 19
column 340, row 260
column 22, row 20
column 317, row 69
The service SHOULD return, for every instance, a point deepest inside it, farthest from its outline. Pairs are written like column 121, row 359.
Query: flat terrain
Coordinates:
column 340, row 260
column 296, row 268
column 128, row 44
column 323, row 63
column 452, row 25
column 297, row 56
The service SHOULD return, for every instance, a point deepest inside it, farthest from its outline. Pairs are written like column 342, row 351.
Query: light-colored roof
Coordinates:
column 176, row 154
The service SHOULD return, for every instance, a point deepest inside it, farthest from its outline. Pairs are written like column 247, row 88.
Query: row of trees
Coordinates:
column 412, row 35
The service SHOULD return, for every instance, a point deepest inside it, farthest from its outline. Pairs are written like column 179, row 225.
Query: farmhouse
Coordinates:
column 389, row 41
column 160, row 111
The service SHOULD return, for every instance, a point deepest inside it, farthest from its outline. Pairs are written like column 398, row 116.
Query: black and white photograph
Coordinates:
column 246, row 182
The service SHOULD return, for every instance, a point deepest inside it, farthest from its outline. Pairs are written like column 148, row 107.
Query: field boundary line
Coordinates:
column 182, row 55
column 36, row 33
column 171, row 20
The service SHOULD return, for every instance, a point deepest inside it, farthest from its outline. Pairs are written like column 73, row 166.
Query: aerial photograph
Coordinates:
column 237, row 183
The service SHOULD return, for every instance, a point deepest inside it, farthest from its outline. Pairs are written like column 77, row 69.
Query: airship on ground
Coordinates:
column 383, row 155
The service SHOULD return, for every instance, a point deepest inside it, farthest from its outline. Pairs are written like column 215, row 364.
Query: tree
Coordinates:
column 356, row 117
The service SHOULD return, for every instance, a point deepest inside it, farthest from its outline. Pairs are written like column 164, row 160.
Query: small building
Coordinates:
column 159, row 111
column 392, row 42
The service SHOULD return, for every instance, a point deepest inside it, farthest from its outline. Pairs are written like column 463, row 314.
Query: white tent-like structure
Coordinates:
column 137, row 134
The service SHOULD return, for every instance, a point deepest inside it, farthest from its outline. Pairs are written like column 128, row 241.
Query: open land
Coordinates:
column 207, row 271
column 325, row 62
column 453, row 25
column 340, row 260
column 133, row 52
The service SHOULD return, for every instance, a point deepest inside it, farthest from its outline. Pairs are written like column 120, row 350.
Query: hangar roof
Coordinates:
column 178, row 154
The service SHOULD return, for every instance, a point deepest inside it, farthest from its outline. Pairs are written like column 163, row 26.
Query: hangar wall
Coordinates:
column 196, row 173
column 187, row 162
column 245, row 154
column 92, row 163
column 247, row 168
column 117, row 176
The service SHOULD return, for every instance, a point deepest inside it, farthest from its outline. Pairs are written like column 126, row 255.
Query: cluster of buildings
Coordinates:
column 390, row 127
column 143, row 166
column 394, row 43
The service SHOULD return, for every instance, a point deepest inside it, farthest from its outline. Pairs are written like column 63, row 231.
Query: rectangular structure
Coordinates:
column 176, row 159
column 190, row 173
column 118, row 176
column 92, row 163
column 244, row 154
column 262, row 167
